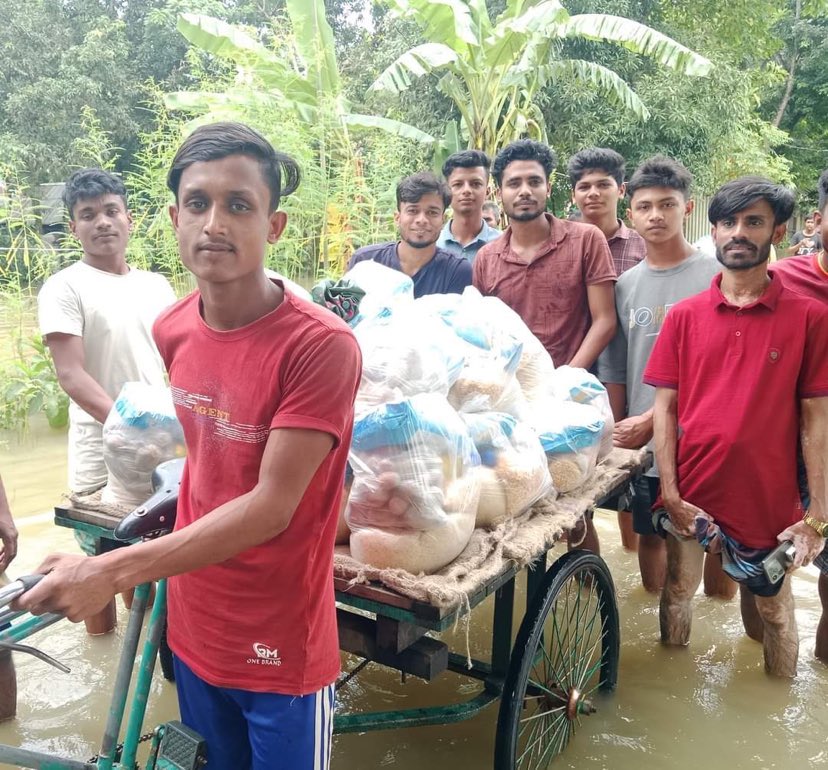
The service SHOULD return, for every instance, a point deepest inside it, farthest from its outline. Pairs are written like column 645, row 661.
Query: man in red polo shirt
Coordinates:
column 808, row 274
column 735, row 369
column 557, row 275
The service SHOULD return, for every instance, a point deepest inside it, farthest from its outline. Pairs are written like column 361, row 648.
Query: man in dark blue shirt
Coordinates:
column 422, row 200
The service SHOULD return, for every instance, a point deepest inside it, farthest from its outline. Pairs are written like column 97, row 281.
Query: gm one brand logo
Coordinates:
column 265, row 656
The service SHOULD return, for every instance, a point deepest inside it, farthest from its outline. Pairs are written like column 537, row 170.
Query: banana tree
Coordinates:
column 298, row 74
column 492, row 69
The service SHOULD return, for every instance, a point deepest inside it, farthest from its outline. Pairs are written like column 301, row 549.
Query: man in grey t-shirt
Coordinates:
column 672, row 270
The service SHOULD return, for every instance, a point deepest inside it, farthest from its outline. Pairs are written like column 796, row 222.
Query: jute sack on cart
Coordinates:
column 518, row 542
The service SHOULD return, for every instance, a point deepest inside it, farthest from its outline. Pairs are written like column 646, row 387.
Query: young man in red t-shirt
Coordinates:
column 736, row 370
column 264, row 385
column 808, row 274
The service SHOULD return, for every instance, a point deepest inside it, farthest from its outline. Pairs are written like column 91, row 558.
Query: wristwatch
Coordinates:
column 820, row 527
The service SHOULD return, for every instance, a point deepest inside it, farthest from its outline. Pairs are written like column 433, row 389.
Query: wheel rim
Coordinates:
column 564, row 674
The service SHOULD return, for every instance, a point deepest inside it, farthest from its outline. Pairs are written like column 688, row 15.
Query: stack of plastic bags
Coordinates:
column 460, row 418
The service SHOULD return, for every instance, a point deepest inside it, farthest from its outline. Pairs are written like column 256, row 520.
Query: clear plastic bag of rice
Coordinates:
column 415, row 492
column 570, row 434
column 140, row 432
column 384, row 288
column 405, row 352
column 535, row 368
column 513, row 471
column 572, row 384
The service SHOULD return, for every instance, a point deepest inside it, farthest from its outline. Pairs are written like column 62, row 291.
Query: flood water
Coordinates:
column 710, row 706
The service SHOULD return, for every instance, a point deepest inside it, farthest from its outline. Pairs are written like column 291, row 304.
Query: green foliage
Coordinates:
column 493, row 69
column 30, row 386
column 290, row 89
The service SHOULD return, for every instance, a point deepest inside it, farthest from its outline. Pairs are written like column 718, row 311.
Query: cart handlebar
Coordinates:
column 17, row 588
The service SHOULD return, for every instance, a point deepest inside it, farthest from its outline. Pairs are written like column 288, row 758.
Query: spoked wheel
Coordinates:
column 565, row 652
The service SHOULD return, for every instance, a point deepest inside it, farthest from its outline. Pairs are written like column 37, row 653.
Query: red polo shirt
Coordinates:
column 549, row 293
column 803, row 274
column 740, row 373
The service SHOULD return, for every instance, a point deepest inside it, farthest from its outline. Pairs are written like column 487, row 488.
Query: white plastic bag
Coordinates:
column 414, row 466
column 570, row 434
column 139, row 434
column 384, row 288
column 573, row 384
column 513, row 473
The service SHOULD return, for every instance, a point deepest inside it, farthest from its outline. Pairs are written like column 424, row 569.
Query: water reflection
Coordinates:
column 710, row 705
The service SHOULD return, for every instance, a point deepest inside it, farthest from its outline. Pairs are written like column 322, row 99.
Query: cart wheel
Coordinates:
column 566, row 649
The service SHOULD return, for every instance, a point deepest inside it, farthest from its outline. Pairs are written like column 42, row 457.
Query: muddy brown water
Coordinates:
column 710, row 706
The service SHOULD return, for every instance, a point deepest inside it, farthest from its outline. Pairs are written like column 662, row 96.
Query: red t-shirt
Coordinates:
column 740, row 373
column 803, row 274
column 549, row 293
column 264, row 620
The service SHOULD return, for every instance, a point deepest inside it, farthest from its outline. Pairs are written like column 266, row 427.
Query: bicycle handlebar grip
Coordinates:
column 30, row 581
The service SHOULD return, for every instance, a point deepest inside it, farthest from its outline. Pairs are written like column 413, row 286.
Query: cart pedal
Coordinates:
column 181, row 748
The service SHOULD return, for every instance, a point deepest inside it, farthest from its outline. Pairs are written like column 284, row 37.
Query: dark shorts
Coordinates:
column 643, row 493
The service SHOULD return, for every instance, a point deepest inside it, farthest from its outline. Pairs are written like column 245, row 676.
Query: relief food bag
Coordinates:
column 570, row 434
column 405, row 352
column 415, row 493
column 384, row 287
column 513, row 472
column 140, row 432
column 570, row 383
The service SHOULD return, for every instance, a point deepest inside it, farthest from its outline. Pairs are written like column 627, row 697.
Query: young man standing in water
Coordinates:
column 264, row 386
column 96, row 318
column 556, row 275
column 737, row 370
column 672, row 270
column 808, row 274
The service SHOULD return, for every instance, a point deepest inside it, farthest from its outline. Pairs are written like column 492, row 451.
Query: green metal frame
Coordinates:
column 112, row 756
column 490, row 673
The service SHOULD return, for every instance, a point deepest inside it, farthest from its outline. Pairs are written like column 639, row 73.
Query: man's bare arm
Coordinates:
column 8, row 531
column 634, row 431
column 665, row 433
column 601, row 298
column 79, row 385
column 814, row 432
column 617, row 393
column 80, row 586
column 815, row 453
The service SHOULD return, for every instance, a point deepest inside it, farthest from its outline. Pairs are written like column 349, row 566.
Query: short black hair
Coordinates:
column 221, row 140
column 466, row 159
column 603, row 159
column 524, row 149
column 661, row 171
column 822, row 189
column 88, row 183
column 736, row 195
column 411, row 188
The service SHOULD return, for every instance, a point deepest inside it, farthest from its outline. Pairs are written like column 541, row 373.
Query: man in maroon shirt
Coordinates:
column 736, row 369
column 808, row 274
column 556, row 275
